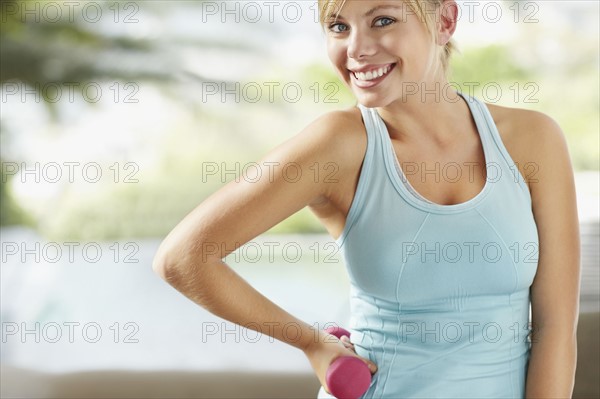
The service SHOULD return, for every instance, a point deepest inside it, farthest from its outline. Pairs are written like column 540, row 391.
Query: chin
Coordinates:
column 372, row 101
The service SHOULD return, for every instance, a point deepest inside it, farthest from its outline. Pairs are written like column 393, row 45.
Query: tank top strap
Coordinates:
column 485, row 125
column 498, row 153
column 367, row 173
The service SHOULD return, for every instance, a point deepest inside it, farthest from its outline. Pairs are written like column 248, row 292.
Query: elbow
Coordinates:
column 166, row 269
column 175, row 264
column 160, row 265
column 163, row 263
column 175, row 258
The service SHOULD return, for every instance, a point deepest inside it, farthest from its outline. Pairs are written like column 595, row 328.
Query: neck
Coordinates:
column 431, row 113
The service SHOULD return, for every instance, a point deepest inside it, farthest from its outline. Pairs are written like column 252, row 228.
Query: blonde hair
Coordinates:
column 439, row 59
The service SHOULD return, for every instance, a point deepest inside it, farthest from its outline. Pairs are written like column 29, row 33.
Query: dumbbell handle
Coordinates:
column 347, row 377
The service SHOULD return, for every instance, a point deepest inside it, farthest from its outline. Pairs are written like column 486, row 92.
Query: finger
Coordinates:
column 372, row 366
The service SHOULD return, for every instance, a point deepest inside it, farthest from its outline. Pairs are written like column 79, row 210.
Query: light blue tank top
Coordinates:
column 439, row 294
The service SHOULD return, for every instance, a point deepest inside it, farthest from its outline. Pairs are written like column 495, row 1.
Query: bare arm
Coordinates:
column 190, row 257
column 555, row 289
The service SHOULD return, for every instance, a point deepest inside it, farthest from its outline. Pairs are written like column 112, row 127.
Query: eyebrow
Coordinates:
column 368, row 13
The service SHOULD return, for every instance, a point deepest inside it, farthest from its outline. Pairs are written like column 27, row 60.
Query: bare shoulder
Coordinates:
column 533, row 139
column 337, row 127
column 344, row 138
column 330, row 140
column 341, row 136
column 525, row 124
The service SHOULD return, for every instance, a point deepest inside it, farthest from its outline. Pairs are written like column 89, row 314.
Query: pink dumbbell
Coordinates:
column 347, row 377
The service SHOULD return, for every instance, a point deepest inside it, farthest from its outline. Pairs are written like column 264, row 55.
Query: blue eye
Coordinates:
column 335, row 24
column 384, row 19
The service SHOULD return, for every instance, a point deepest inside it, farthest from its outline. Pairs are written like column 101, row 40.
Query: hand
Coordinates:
column 326, row 349
column 347, row 343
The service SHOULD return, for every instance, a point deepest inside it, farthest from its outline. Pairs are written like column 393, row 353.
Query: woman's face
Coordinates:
column 386, row 37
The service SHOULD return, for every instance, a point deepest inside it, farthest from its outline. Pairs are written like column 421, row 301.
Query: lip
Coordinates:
column 371, row 68
column 371, row 83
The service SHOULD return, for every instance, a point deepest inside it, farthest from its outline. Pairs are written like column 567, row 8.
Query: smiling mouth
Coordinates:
column 373, row 75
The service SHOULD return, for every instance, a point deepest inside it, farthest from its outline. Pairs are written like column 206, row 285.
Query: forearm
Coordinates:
column 551, row 372
column 219, row 289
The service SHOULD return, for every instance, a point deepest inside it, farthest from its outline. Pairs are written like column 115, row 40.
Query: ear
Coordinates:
column 448, row 17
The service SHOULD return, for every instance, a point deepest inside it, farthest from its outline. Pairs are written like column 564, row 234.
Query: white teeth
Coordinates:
column 372, row 74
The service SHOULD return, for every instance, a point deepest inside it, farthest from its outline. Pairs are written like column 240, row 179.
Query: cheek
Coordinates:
column 408, row 52
column 337, row 56
column 332, row 50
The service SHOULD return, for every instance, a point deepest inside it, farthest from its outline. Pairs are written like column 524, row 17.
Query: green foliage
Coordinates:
column 303, row 221
column 65, row 51
column 68, row 52
column 10, row 212
column 333, row 89
column 492, row 63
column 530, row 88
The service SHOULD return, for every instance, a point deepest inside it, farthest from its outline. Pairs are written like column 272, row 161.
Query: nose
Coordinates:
column 360, row 45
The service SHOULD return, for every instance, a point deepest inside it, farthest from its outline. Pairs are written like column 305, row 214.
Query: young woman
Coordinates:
column 453, row 216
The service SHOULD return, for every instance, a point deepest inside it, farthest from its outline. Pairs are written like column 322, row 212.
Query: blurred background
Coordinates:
column 118, row 118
